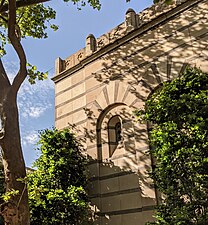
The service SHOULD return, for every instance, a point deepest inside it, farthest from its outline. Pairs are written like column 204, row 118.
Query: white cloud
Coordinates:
column 33, row 100
column 34, row 112
column 30, row 138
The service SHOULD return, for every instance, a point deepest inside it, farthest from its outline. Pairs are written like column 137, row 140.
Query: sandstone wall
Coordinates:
column 114, row 75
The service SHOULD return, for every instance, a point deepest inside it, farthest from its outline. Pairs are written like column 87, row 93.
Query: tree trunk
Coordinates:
column 16, row 210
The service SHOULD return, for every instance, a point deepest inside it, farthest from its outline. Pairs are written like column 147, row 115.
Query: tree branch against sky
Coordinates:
column 22, row 3
column 18, row 23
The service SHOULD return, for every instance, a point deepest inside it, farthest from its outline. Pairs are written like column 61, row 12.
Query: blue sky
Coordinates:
column 36, row 102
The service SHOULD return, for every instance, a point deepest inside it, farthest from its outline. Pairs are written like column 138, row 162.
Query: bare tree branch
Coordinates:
column 22, row 3
column 21, row 75
column 4, row 19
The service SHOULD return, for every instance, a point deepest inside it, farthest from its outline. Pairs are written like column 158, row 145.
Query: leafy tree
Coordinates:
column 18, row 20
column 178, row 112
column 57, row 188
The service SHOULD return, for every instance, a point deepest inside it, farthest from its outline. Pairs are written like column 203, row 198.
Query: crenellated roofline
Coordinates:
column 134, row 25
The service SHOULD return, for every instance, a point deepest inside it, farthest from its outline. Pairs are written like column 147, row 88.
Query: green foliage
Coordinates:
column 179, row 143
column 6, row 196
column 57, row 188
column 34, row 21
column 34, row 74
column 80, row 3
column 39, row 17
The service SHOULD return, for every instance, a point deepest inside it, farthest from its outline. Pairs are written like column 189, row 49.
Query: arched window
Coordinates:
column 114, row 133
column 118, row 131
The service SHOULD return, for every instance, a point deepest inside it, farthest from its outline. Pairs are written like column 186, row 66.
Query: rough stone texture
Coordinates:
column 114, row 75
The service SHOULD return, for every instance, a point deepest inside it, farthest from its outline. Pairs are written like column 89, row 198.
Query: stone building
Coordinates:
column 99, row 87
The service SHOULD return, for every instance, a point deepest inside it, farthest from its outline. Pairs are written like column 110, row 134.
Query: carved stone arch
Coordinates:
column 102, row 129
column 127, row 145
column 115, row 92
column 115, row 98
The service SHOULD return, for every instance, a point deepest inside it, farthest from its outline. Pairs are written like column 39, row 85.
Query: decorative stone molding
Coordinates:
column 91, row 44
column 130, row 20
column 59, row 65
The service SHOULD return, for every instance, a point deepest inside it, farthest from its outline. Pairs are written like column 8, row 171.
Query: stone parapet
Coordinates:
column 132, row 22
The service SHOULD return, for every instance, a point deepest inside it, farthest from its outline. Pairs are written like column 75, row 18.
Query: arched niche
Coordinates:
column 115, row 132
column 118, row 99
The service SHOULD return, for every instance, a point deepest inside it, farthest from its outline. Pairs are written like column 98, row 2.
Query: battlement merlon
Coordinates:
column 134, row 23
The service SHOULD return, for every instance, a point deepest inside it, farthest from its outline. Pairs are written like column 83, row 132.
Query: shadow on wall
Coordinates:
column 120, row 188
column 124, row 191
column 119, row 194
column 160, row 52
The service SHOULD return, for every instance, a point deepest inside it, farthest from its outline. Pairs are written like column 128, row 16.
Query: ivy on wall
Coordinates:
column 178, row 112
